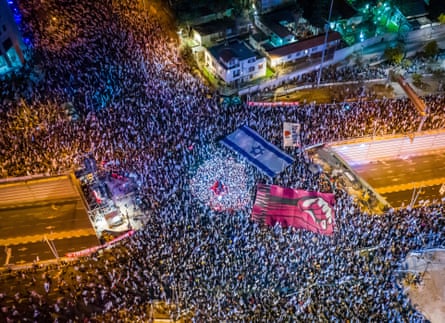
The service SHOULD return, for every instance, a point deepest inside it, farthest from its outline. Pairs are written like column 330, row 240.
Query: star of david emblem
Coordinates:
column 257, row 150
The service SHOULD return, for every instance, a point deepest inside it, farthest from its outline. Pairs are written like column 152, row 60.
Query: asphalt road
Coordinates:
column 40, row 220
column 396, row 179
column 393, row 172
column 24, row 231
column 413, row 44
column 28, row 252
column 420, row 196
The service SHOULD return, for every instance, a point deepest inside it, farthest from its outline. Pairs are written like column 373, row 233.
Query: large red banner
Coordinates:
column 312, row 211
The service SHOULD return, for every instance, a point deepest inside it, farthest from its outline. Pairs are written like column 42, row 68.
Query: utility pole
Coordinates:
column 325, row 44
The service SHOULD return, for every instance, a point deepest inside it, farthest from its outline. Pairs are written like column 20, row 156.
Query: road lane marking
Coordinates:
column 409, row 186
column 52, row 236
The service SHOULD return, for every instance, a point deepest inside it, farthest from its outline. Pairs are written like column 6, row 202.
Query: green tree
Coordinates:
column 394, row 54
column 417, row 79
column 407, row 63
column 441, row 18
column 319, row 12
column 238, row 6
column 431, row 49
column 439, row 73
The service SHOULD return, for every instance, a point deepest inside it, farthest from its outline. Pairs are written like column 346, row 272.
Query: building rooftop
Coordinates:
column 234, row 49
column 341, row 9
column 304, row 44
column 274, row 19
column 412, row 8
column 215, row 26
column 259, row 36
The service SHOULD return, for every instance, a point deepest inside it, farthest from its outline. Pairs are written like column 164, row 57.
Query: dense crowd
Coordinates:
column 228, row 179
column 346, row 73
column 141, row 110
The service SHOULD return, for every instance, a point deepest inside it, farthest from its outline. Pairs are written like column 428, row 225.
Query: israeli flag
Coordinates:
column 259, row 152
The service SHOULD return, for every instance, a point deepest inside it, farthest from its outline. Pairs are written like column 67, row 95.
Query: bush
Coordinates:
column 407, row 63
column 417, row 79
column 431, row 49
column 439, row 73
column 394, row 54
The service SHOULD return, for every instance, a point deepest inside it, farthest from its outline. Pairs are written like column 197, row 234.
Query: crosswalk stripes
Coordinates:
column 32, row 191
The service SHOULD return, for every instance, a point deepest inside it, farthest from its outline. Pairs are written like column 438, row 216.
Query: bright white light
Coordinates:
column 234, row 176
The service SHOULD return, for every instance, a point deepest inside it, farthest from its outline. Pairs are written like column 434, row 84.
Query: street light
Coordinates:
column 328, row 25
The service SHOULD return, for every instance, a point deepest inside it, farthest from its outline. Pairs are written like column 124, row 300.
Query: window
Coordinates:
column 251, row 69
column 236, row 73
column 233, row 63
column 260, row 66
column 251, row 60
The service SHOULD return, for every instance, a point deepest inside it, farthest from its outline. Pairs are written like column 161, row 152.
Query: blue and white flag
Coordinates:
column 259, row 152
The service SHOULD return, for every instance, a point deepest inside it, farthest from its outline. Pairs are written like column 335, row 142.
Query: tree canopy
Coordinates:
column 394, row 54
column 431, row 49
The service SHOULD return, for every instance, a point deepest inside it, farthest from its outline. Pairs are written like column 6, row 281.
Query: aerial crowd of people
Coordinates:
column 137, row 105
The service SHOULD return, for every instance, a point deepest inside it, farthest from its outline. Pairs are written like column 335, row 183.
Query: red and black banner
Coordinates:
column 312, row 211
